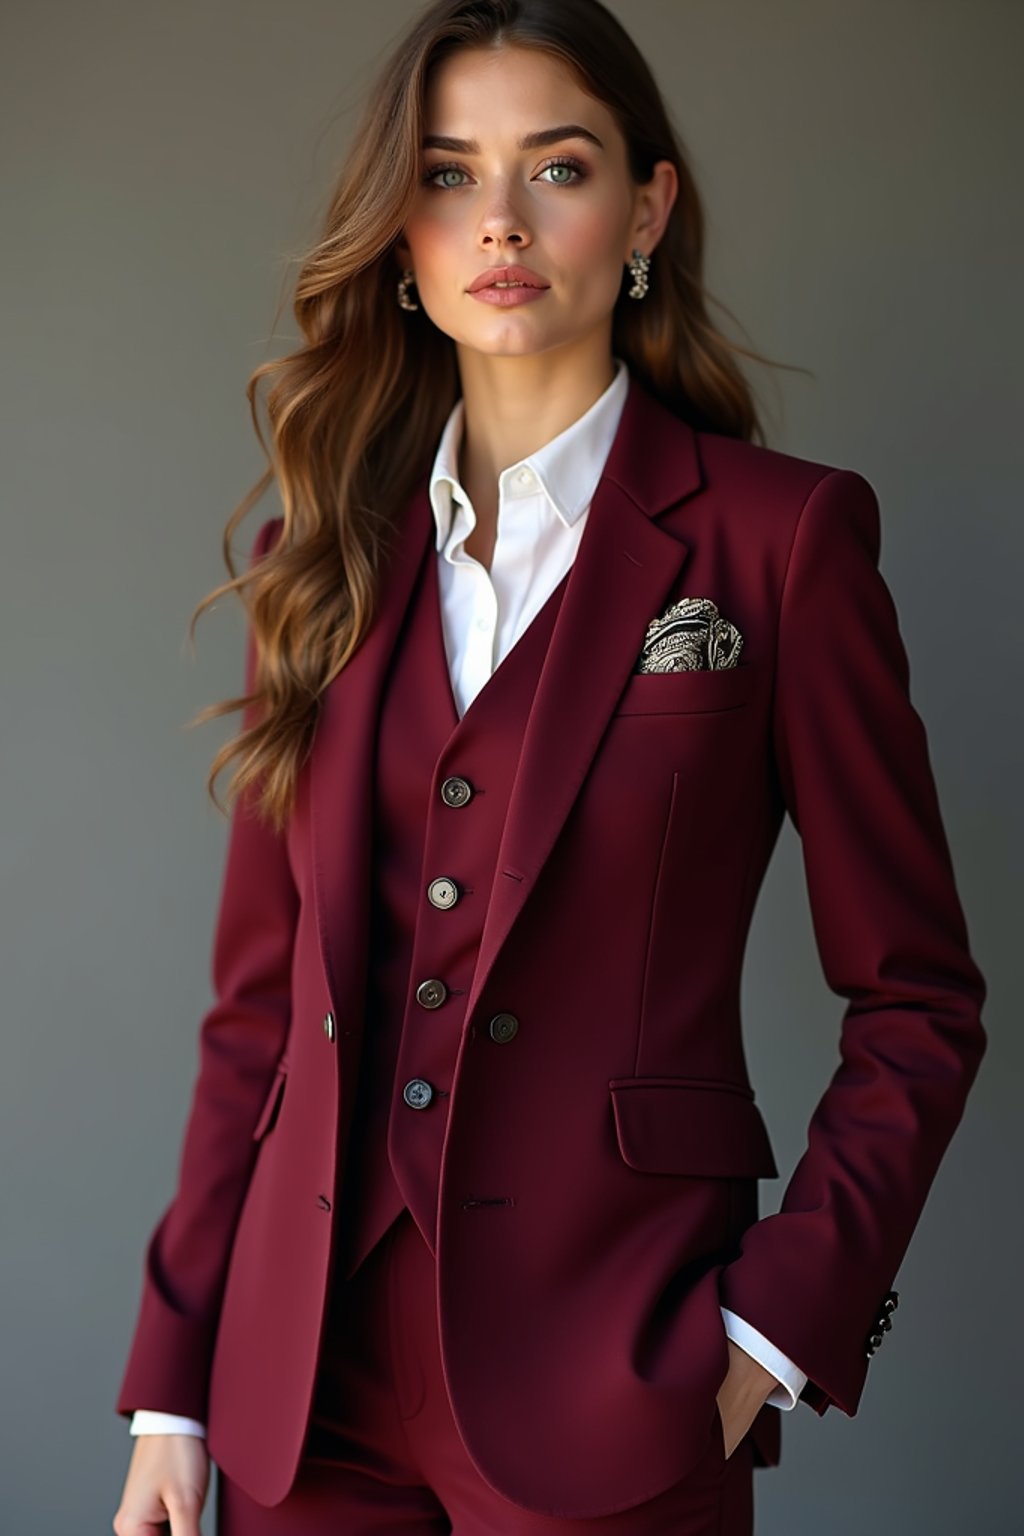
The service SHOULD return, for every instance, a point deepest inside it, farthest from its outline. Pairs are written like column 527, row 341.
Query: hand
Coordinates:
column 742, row 1395
column 167, row 1480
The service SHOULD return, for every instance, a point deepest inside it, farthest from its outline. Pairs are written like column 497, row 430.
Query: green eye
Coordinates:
column 441, row 170
column 567, row 163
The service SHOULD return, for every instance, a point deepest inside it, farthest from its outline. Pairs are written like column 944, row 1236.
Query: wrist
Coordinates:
column 748, row 1380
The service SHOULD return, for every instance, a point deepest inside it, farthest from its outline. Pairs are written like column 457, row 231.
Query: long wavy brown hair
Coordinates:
column 356, row 411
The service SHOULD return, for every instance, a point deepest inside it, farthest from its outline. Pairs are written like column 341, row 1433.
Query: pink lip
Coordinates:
column 505, row 298
column 512, row 274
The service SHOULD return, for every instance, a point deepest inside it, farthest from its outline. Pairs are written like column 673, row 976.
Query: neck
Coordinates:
column 514, row 405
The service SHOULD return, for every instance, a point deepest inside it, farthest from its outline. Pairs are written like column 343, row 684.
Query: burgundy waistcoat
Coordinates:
column 434, row 855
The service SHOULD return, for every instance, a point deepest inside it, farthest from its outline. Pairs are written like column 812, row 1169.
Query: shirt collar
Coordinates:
column 568, row 467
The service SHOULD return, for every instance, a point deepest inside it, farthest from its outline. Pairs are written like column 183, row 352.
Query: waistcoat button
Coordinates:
column 442, row 892
column 503, row 1027
column 417, row 1093
column 329, row 1025
column 456, row 791
column 431, row 993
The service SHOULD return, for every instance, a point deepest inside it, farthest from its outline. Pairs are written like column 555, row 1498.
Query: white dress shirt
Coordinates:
column 543, row 501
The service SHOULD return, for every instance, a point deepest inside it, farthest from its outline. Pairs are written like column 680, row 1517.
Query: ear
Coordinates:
column 403, row 255
column 652, row 206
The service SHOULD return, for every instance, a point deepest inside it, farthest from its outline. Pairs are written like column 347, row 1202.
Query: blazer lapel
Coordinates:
column 341, row 773
column 624, row 569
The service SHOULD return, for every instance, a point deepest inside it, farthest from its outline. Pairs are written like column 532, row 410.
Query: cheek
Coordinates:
column 589, row 236
column 430, row 233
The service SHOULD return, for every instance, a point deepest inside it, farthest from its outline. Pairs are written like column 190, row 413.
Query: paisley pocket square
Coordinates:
column 689, row 634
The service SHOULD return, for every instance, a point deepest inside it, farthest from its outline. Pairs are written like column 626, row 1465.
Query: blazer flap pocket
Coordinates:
column 688, row 1125
column 268, row 1114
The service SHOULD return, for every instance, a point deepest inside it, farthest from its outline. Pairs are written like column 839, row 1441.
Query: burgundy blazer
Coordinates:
column 584, row 1355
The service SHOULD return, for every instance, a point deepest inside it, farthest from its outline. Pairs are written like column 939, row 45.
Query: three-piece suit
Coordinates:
column 489, row 977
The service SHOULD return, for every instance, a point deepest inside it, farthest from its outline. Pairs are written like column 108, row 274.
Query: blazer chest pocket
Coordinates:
column 691, row 1126
column 702, row 688
column 271, row 1104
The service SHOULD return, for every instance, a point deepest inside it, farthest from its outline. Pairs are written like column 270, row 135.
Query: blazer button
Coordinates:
column 456, row 791
column 417, row 1093
column 431, row 993
column 503, row 1027
column 442, row 892
column 329, row 1025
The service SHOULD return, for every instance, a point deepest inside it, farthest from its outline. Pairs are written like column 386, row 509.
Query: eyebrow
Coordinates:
column 538, row 140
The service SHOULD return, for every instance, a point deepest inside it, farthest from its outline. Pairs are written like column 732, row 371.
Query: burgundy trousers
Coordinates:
column 383, row 1453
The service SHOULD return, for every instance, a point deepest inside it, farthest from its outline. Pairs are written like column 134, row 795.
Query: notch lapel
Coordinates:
column 624, row 569
column 341, row 774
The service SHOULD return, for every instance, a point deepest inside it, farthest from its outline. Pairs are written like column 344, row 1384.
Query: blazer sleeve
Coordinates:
column 853, row 765
column 241, row 1038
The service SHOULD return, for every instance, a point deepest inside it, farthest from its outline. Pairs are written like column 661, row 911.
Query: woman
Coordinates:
column 541, row 652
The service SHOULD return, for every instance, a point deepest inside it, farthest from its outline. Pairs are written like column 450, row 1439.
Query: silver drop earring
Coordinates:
column 639, row 268
column 404, row 282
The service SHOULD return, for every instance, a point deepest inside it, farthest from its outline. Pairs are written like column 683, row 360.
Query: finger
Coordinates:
column 127, row 1524
column 184, row 1511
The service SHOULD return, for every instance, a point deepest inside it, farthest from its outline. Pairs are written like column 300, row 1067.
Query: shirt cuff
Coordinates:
column 791, row 1378
column 148, row 1421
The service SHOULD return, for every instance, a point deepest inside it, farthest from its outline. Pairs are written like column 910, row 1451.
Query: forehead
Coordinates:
column 498, row 94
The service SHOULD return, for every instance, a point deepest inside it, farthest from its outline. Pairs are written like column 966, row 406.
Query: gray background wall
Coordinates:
column 160, row 163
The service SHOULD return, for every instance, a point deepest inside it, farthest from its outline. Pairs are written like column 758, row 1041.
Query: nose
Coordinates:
column 502, row 224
